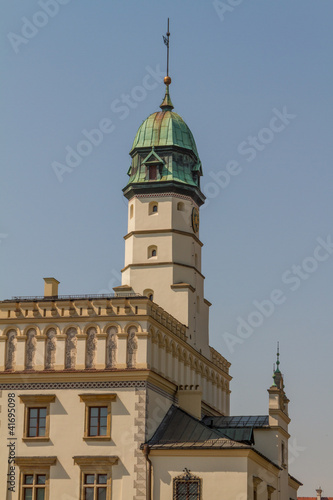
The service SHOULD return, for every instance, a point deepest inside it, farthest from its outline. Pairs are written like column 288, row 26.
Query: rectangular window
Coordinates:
column 152, row 172
column 36, row 416
column 95, row 486
column 97, row 416
column 95, row 476
column 98, row 420
column 33, row 487
column 36, row 422
column 34, row 477
column 187, row 489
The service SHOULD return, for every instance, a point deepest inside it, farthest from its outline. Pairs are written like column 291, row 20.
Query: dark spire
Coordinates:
column 167, row 103
column 277, row 376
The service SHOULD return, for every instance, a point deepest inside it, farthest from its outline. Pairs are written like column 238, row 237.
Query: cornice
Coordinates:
column 163, row 263
column 163, row 231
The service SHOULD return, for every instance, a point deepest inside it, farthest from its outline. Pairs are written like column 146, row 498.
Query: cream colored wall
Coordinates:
column 269, row 443
column 268, row 476
column 183, row 367
column 164, row 349
column 189, row 308
column 222, row 477
column 66, row 441
column 167, row 217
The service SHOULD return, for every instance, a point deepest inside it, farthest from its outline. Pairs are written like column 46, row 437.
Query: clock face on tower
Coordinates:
column 195, row 219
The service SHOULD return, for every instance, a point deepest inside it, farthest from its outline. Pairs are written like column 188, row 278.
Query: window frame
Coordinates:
column 36, row 401
column 34, row 466
column 187, row 478
column 96, row 465
column 97, row 401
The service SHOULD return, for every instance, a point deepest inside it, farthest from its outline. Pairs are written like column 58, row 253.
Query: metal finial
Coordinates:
column 166, row 39
column 278, row 357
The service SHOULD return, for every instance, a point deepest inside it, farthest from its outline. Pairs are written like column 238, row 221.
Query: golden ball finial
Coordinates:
column 167, row 80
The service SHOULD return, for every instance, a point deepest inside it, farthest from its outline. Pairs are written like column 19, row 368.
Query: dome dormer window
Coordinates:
column 152, row 172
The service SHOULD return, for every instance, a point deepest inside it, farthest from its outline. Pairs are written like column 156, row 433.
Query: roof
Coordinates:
column 243, row 421
column 164, row 128
column 178, row 429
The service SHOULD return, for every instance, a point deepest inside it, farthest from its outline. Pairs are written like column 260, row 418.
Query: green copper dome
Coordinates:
column 164, row 155
column 165, row 128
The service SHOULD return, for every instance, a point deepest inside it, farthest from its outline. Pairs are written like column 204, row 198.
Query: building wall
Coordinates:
column 67, row 416
column 222, row 477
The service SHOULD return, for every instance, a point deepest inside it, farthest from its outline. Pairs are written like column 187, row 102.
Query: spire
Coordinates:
column 167, row 103
column 278, row 358
column 277, row 376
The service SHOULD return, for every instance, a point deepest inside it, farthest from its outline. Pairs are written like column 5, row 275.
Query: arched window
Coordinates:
column 180, row 206
column 153, row 208
column 152, row 251
column 131, row 211
column 149, row 293
column 198, row 303
column 196, row 260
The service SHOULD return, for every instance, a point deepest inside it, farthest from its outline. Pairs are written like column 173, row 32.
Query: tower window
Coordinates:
column 153, row 207
column 149, row 293
column 180, row 206
column 131, row 211
column 152, row 172
column 152, row 251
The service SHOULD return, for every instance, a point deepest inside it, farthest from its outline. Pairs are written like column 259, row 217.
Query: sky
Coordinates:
column 253, row 80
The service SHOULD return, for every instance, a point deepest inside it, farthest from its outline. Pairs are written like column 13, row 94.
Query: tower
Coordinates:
column 162, row 245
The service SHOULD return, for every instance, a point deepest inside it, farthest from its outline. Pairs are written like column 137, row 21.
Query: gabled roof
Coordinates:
column 178, row 429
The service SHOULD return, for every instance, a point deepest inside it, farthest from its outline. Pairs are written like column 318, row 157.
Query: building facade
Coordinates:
column 114, row 397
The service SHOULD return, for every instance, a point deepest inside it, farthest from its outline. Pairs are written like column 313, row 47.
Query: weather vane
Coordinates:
column 166, row 39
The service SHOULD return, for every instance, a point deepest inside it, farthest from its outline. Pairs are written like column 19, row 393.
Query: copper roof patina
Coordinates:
column 165, row 128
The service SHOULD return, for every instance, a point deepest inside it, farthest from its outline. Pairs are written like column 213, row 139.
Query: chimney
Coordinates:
column 319, row 492
column 51, row 287
column 189, row 399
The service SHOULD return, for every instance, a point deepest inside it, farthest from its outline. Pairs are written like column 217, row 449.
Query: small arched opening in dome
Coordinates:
column 153, row 208
column 180, row 206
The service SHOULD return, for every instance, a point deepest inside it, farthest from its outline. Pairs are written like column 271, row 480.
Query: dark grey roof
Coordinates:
column 254, row 421
column 178, row 429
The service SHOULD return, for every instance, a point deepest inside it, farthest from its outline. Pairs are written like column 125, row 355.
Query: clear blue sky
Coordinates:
column 230, row 72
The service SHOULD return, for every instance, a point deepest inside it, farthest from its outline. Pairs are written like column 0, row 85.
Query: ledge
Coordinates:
column 96, row 460
column 92, row 398
column 35, row 461
column 37, row 398
column 96, row 438
column 37, row 439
